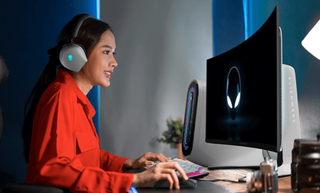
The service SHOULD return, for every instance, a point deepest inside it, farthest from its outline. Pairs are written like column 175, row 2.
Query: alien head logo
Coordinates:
column 233, row 91
column 70, row 57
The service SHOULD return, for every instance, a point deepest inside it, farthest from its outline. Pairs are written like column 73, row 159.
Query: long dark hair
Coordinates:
column 88, row 36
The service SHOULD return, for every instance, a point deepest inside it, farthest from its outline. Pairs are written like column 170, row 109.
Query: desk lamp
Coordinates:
column 312, row 41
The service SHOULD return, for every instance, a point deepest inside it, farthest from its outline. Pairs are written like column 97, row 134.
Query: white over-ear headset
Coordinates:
column 72, row 55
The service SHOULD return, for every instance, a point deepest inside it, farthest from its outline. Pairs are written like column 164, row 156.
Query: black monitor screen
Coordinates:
column 244, row 91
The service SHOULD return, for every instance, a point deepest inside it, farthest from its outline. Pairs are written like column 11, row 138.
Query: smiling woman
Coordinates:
column 100, row 65
column 62, row 147
column 87, row 39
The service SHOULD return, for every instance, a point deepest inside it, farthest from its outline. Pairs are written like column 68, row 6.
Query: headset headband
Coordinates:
column 75, row 24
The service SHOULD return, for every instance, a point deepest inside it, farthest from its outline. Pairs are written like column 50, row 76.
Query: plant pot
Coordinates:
column 176, row 151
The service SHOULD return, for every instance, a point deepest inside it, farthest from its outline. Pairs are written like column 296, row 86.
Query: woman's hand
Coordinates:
column 146, row 159
column 161, row 171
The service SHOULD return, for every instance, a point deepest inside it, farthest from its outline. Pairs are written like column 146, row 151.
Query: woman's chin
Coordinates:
column 105, row 84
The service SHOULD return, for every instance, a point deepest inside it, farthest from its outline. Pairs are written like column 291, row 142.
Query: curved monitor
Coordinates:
column 244, row 91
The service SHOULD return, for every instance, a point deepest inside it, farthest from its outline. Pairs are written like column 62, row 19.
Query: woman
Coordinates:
column 64, row 150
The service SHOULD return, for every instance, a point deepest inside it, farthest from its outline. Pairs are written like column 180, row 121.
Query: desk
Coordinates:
column 222, row 186
column 283, row 182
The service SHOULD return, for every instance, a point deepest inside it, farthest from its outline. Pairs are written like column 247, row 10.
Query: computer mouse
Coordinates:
column 233, row 91
column 190, row 183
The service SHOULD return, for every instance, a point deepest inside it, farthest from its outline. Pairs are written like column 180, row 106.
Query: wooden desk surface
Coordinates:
column 283, row 182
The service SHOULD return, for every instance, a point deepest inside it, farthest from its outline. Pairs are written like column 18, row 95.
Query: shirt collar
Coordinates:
column 64, row 77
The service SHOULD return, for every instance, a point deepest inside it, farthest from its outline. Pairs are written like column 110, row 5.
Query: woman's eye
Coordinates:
column 107, row 52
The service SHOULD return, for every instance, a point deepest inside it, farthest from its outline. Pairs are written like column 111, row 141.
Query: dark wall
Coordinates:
column 227, row 24
column 27, row 30
column 296, row 18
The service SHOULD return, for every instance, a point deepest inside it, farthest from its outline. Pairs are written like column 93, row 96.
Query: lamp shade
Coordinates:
column 312, row 41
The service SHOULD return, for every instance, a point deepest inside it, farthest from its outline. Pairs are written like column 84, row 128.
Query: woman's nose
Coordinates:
column 113, row 63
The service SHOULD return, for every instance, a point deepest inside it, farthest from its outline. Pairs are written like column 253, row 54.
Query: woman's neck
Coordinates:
column 82, row 81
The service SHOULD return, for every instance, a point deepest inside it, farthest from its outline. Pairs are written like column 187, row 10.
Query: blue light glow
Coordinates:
column 98, row 9
column 188, row 116
column 245, row 19
column 98, row 87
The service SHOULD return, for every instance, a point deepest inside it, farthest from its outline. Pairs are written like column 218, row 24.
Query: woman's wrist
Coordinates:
column 128, row 164
column 135, row 180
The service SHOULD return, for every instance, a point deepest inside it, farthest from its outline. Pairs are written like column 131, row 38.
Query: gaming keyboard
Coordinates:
column 192, row 170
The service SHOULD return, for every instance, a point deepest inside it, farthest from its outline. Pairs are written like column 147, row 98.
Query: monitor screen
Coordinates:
column 244, row 91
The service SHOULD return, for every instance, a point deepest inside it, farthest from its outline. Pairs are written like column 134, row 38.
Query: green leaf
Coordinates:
column 174, row 131
column 174, row 139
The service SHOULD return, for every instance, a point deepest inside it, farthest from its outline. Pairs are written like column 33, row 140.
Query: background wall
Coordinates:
column 161, row 47
column 27, row 31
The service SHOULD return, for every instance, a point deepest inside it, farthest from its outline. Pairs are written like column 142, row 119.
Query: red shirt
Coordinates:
column 65, row 148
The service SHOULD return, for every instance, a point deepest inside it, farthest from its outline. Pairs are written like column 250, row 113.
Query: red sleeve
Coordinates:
column 110, row 162
column 53, row 159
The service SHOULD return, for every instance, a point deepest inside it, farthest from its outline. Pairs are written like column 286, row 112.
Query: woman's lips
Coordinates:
column 108, row 74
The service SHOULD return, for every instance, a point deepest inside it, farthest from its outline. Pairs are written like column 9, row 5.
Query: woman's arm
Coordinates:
column 111, row 162
column 54, row 159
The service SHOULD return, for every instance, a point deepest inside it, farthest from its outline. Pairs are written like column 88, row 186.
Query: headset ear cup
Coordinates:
column 72, row 56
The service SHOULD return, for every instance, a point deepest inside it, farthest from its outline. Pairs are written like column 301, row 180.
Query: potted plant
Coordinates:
column 173, row 136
